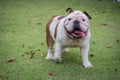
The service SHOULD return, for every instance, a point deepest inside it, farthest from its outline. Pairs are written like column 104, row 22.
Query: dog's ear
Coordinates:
column 69, row 10
column 87, row 14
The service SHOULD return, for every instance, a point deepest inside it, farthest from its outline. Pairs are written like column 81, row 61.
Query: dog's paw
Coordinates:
column 49, row 57
column 65, row 50
column 57, row 59
column 87, row 64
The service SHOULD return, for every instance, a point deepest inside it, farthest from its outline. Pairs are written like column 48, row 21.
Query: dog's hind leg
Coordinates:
column 49, row 41
column 50, row 52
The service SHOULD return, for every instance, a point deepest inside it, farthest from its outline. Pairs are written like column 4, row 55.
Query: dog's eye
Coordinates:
column 83, row 19
column 69, row 19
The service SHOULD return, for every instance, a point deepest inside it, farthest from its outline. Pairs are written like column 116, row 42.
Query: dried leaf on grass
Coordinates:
column 38, row 50
column 52, row 73
column 41, row 55
column 105, row 24
column 22, row 55
column 109, row 46
column 10, row 60
column 31, row 53
column 91, row 55
column 38, row 23
column 116, row 69
column 42, row 43
column 13, row 31
column 94, row 42
column 117, row 40
column 27, row 53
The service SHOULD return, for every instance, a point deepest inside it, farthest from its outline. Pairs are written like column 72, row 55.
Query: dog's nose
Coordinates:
column 76, row 22
column 76, row 25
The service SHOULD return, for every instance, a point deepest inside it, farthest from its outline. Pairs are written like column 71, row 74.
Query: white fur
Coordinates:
column 62, row 40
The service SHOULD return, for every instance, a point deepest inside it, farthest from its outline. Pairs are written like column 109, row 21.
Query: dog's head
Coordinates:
column 76, row 23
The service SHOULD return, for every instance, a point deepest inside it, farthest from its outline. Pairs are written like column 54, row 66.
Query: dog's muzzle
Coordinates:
column 77, row 32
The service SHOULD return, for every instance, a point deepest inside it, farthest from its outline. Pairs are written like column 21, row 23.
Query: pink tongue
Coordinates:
column 78, row 33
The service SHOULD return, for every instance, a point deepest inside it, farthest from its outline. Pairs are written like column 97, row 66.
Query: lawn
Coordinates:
column 23, row 46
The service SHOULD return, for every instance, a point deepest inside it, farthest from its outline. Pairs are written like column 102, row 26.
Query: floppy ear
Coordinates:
column 69, row 10
column 87, row 14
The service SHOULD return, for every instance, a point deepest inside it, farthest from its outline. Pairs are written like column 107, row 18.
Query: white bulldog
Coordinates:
column 71, row 30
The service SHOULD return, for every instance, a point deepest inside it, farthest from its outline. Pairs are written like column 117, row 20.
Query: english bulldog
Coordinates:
column 71, row 30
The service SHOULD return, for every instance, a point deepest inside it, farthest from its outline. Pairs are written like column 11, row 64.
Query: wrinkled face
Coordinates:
column 77, row 24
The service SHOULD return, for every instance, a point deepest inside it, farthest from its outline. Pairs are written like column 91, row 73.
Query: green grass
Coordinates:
column 22, row 28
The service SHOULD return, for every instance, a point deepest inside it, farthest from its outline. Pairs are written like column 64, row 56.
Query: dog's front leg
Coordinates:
column 57, row 54
column 84, row 51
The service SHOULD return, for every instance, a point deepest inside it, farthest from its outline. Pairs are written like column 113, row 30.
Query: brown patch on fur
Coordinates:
column 49, row 39
column 56, row 30
column 61, row 17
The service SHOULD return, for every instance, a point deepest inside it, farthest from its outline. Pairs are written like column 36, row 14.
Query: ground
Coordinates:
column 23, row 46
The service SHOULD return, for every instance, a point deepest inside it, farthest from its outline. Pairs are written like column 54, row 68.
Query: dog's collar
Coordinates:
column 71, row 37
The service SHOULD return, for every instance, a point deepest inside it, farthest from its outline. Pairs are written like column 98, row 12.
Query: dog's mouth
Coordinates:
column 76, row 34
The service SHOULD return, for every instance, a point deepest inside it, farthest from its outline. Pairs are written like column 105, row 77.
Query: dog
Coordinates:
column 116, row 0
column 71, row 30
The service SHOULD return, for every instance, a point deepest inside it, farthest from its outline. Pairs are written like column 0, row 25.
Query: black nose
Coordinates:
column 76, row 25
column 76, row 22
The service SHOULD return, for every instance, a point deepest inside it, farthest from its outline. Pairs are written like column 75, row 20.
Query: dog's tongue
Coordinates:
column 78, row 34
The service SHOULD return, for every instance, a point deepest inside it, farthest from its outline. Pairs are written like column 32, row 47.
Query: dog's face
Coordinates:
column 77, row 24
